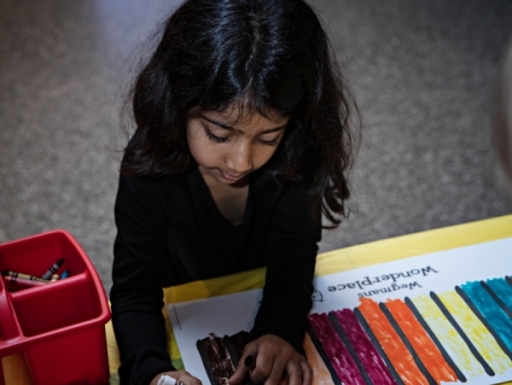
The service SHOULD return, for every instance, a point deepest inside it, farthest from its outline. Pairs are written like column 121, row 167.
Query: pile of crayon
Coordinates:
column 22, row 280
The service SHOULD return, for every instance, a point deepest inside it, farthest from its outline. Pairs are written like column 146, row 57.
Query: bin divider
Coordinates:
column 34, row 291
column 9, row 327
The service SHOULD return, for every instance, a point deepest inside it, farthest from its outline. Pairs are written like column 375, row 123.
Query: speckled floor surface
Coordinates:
column 423, row 72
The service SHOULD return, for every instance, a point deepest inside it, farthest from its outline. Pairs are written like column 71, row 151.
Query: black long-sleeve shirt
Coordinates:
column 170, row 232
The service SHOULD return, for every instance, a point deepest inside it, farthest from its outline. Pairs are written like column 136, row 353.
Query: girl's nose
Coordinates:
column 240, row 160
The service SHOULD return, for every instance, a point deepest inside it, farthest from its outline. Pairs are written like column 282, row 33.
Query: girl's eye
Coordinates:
column 215, row 138
column 272, row 142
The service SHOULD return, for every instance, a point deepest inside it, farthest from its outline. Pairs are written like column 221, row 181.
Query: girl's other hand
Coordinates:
column 182, row 376
column 270, row 360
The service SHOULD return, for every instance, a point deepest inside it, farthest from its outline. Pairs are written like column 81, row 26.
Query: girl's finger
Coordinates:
column 295, row 376
column 245, row 364
column 262, row 368
column 274, row 373
column 307, row 373
column 188, row 379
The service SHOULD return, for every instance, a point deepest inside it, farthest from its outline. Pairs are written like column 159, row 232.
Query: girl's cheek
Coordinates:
column 264, row 156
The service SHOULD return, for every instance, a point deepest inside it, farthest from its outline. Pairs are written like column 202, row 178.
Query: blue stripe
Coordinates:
column 502, row 289
column 493, row 314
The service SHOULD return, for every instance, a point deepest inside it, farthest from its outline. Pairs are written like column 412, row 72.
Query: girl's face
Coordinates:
column 227, row 146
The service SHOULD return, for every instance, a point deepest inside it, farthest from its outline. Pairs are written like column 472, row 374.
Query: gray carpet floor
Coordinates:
column 423, row 72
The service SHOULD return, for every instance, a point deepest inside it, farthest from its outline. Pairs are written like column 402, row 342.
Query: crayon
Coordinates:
column 14, row 274
column 53, row 269
column 167, row 380
column 23, row 281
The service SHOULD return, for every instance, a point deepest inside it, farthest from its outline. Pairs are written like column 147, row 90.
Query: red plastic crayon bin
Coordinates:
column 60, row 326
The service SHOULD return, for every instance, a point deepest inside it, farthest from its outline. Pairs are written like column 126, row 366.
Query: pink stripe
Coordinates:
column 368, row 355
column 339, row 357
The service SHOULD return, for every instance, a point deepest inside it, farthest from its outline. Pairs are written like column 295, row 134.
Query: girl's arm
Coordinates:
column 281, row 322
column 136, row 294
column 290, row 258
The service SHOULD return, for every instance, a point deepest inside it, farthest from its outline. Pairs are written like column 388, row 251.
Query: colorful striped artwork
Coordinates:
column 440, row 338
column 433, row 319
column 446, row 337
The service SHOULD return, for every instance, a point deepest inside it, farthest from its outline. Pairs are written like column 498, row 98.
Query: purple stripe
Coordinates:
column 340, row 358
column 368, row 355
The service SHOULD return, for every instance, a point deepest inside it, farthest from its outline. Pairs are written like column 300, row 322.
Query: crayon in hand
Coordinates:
column 53, row 269
column 14, row 274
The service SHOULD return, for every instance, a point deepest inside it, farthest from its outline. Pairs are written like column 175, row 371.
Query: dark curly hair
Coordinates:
column 267, row 56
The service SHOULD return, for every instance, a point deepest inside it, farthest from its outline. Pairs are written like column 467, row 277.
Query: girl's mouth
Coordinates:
column 231, row 177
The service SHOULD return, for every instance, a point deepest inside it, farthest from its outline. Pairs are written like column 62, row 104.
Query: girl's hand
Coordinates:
column 183, row 376
column 272, row 361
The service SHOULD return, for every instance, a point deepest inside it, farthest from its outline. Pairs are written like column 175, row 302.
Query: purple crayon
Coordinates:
column 53, row 269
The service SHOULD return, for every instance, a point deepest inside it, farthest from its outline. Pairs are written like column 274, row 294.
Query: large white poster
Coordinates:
column 444, row 317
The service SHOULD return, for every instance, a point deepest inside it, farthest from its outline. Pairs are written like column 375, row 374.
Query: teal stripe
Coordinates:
column 493, row 314
column 502, row 289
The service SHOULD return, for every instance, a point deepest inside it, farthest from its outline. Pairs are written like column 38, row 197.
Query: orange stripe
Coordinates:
column 321, row 375
column 425, row 348
column 391, row 343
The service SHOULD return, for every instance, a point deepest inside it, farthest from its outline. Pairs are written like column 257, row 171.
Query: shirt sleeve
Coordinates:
column 136, row 295
column 290, row 258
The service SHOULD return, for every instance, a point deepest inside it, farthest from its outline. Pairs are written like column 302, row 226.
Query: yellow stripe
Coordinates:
column 476, row 332
column 448, row 336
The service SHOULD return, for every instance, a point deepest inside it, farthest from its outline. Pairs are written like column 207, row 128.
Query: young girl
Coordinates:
column 241, row 143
